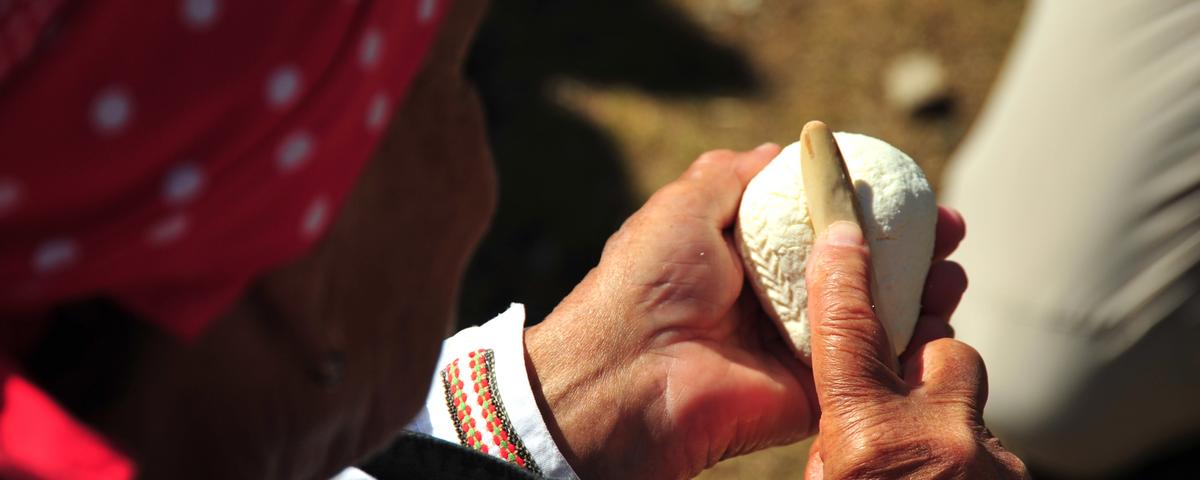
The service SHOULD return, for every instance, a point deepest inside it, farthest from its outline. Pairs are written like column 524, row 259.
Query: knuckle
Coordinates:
column 881, row 451
column 862, row 462
column 670, row 200
column 959, row 448
column 967, row 360
column 839, row 270
column 862, row 447
column 707, row 163
column 1013, row 465
column 963, row 376
column 618, row 238
column 669, row 193
column 958, row 353
column 872, row 455
column 714, row 156
column 681, row 191
column 843, row 295
column 851, row 335
column 629, row 232
column 845, row 305
column 850, row 397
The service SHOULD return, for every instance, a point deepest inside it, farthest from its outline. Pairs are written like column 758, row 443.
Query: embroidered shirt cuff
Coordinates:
column 480, row 397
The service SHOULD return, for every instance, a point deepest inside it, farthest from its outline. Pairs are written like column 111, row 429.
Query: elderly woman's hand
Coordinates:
column 661, row 362
column 923, row 421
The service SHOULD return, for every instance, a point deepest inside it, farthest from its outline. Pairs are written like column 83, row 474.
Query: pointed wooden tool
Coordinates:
column 826, row 180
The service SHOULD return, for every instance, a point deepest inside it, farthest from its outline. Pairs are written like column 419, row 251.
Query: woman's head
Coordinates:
column 322, row 358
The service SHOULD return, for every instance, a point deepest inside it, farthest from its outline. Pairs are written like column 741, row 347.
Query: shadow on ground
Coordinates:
column 563, row 189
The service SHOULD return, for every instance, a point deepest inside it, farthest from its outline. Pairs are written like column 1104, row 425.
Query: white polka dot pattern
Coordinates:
column 283, row 86
column 426, row 9
column 315, row 217
column 10, row 195
column 167, row 230
column 192, row 141
column 370, row 50
column 294, row 150
column 111, row 110
column 164, row 154
column 199, row 14
column 183, row 183
column 54, row 255
column 377, row 112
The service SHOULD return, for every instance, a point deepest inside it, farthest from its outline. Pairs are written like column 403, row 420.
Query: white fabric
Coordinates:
column 505, row 335
column 353, row 474
column 1080, row 186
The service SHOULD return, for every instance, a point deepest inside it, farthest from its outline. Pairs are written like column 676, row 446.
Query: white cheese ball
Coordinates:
column 775, row 236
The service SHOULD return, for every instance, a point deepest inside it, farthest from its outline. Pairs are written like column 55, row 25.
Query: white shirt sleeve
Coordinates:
column 503, row 340
column 480, row 398
column 352, row 473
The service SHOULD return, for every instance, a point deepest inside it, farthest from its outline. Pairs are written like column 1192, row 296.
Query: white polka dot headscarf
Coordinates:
column 165, row 153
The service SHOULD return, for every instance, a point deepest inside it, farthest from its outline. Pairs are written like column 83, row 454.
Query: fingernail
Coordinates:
column 844, row 233
column 766, row 146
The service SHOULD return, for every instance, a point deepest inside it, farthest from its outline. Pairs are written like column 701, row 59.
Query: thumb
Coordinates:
column 851, row 355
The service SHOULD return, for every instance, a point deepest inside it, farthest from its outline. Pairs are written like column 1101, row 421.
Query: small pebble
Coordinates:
column 915, row 81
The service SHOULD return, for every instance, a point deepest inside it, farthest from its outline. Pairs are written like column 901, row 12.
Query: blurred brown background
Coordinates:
column 593, row 105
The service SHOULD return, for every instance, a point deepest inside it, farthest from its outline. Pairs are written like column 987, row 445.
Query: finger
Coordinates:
column 765, row 337
column 949, row 369
column 814, row 469
column 749, row 165
column 851, row 354
column 928, row 329
column 950, row 231
column 944, row 287
column 712, row 186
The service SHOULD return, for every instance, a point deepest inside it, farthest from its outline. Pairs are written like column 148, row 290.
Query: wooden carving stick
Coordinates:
column 830, row 192
column 826, row 181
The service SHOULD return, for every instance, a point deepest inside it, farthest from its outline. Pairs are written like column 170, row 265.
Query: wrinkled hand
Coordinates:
column 926, row 422
column 661, row 362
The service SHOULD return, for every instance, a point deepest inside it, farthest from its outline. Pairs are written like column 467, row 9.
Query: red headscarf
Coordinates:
column 165, row 153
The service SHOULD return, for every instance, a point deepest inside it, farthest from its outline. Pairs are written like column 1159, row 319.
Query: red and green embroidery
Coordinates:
column 460, row 411
column 491, row 417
